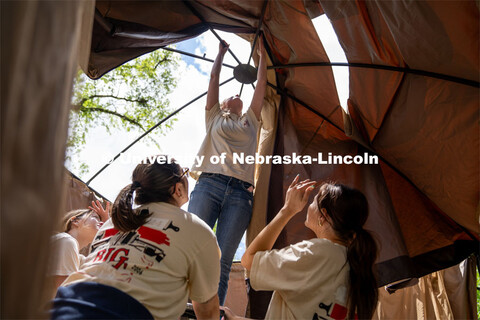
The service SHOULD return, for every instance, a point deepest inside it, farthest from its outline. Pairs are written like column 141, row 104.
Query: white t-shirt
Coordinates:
column 173, row 256
column 308, row 278
column 66, row 258
column 230, row 134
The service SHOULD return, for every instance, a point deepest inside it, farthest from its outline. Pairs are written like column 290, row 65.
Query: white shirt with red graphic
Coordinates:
column 309, row 280
column 171, row 258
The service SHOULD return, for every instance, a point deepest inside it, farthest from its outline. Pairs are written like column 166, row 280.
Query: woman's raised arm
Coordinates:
column 213, row 85
column 295, row 200
column 259, row 94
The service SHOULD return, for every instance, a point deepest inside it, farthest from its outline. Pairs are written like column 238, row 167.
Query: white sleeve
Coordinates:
column 204, row 274
column 66, row 257
column 282, row 269
column 253, row 118
column 211, row 114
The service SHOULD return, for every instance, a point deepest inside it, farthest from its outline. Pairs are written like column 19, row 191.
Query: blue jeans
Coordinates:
column 228, row 200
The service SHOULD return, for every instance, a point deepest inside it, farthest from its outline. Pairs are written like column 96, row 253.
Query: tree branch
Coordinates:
column 114, row 113
column 141, row 101
column 159, row 62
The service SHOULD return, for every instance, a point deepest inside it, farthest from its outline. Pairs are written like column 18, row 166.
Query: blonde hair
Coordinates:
column 69, row 217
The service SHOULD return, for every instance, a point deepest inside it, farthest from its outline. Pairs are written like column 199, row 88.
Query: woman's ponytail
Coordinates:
column 152, row 182
column 124, row 217
column 363, row 294
column 347, row 209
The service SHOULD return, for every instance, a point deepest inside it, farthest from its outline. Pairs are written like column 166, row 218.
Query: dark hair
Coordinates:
column 347, row 209
column 152, row 182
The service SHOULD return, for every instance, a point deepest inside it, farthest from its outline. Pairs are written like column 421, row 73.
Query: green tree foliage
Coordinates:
column 132, row 97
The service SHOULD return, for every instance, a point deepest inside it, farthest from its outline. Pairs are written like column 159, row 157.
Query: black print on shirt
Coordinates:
column 171, row 226
column 337, row 312
column 144, row 239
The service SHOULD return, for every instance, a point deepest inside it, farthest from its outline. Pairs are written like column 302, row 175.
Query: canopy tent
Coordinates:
column 414, row 102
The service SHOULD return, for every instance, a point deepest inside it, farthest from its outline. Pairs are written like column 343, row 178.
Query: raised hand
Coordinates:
column 98, row 208
column 297, row 194
column 223, row 47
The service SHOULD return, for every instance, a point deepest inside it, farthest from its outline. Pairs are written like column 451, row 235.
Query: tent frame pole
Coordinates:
column 441, row 76
column 199, row 16
column 195, row 56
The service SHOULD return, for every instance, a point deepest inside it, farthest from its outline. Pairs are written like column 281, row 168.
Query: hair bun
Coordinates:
column 136, row 185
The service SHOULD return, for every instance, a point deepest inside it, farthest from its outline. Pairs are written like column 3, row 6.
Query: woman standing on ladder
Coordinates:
column 224, row 192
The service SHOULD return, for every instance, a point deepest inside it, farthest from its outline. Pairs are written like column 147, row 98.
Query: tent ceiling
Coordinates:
column 424, row 195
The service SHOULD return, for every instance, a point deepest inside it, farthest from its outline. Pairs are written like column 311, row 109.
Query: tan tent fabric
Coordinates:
column 445, row 294
column 266, row 142
column 284, row 40
column 39, row 47
column 77, row 194
column 414, row 122
column 399, row 117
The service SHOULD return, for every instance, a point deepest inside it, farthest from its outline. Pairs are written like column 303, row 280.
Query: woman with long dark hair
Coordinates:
column 149, row 258
column 327, row 277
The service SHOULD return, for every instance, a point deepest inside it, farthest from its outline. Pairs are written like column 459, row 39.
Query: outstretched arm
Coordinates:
column 259, row 94
column 295, row 200
column 213, row 86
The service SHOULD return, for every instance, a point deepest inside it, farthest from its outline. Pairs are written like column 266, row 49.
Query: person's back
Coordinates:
column 327, row 277
column 309, row 279
column 154, row 262
column 147, row 261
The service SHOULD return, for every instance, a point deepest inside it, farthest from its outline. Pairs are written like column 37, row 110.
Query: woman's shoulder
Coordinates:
column 64, row 241
column 318, row 246
column 63, row 237
column 183, row 219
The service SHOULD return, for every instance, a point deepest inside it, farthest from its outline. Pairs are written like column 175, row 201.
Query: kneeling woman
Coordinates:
column 145, row 262
column 327, row 277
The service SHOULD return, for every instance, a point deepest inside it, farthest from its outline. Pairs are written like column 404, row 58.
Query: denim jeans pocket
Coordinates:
column 247, row 187
column 207, row 175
